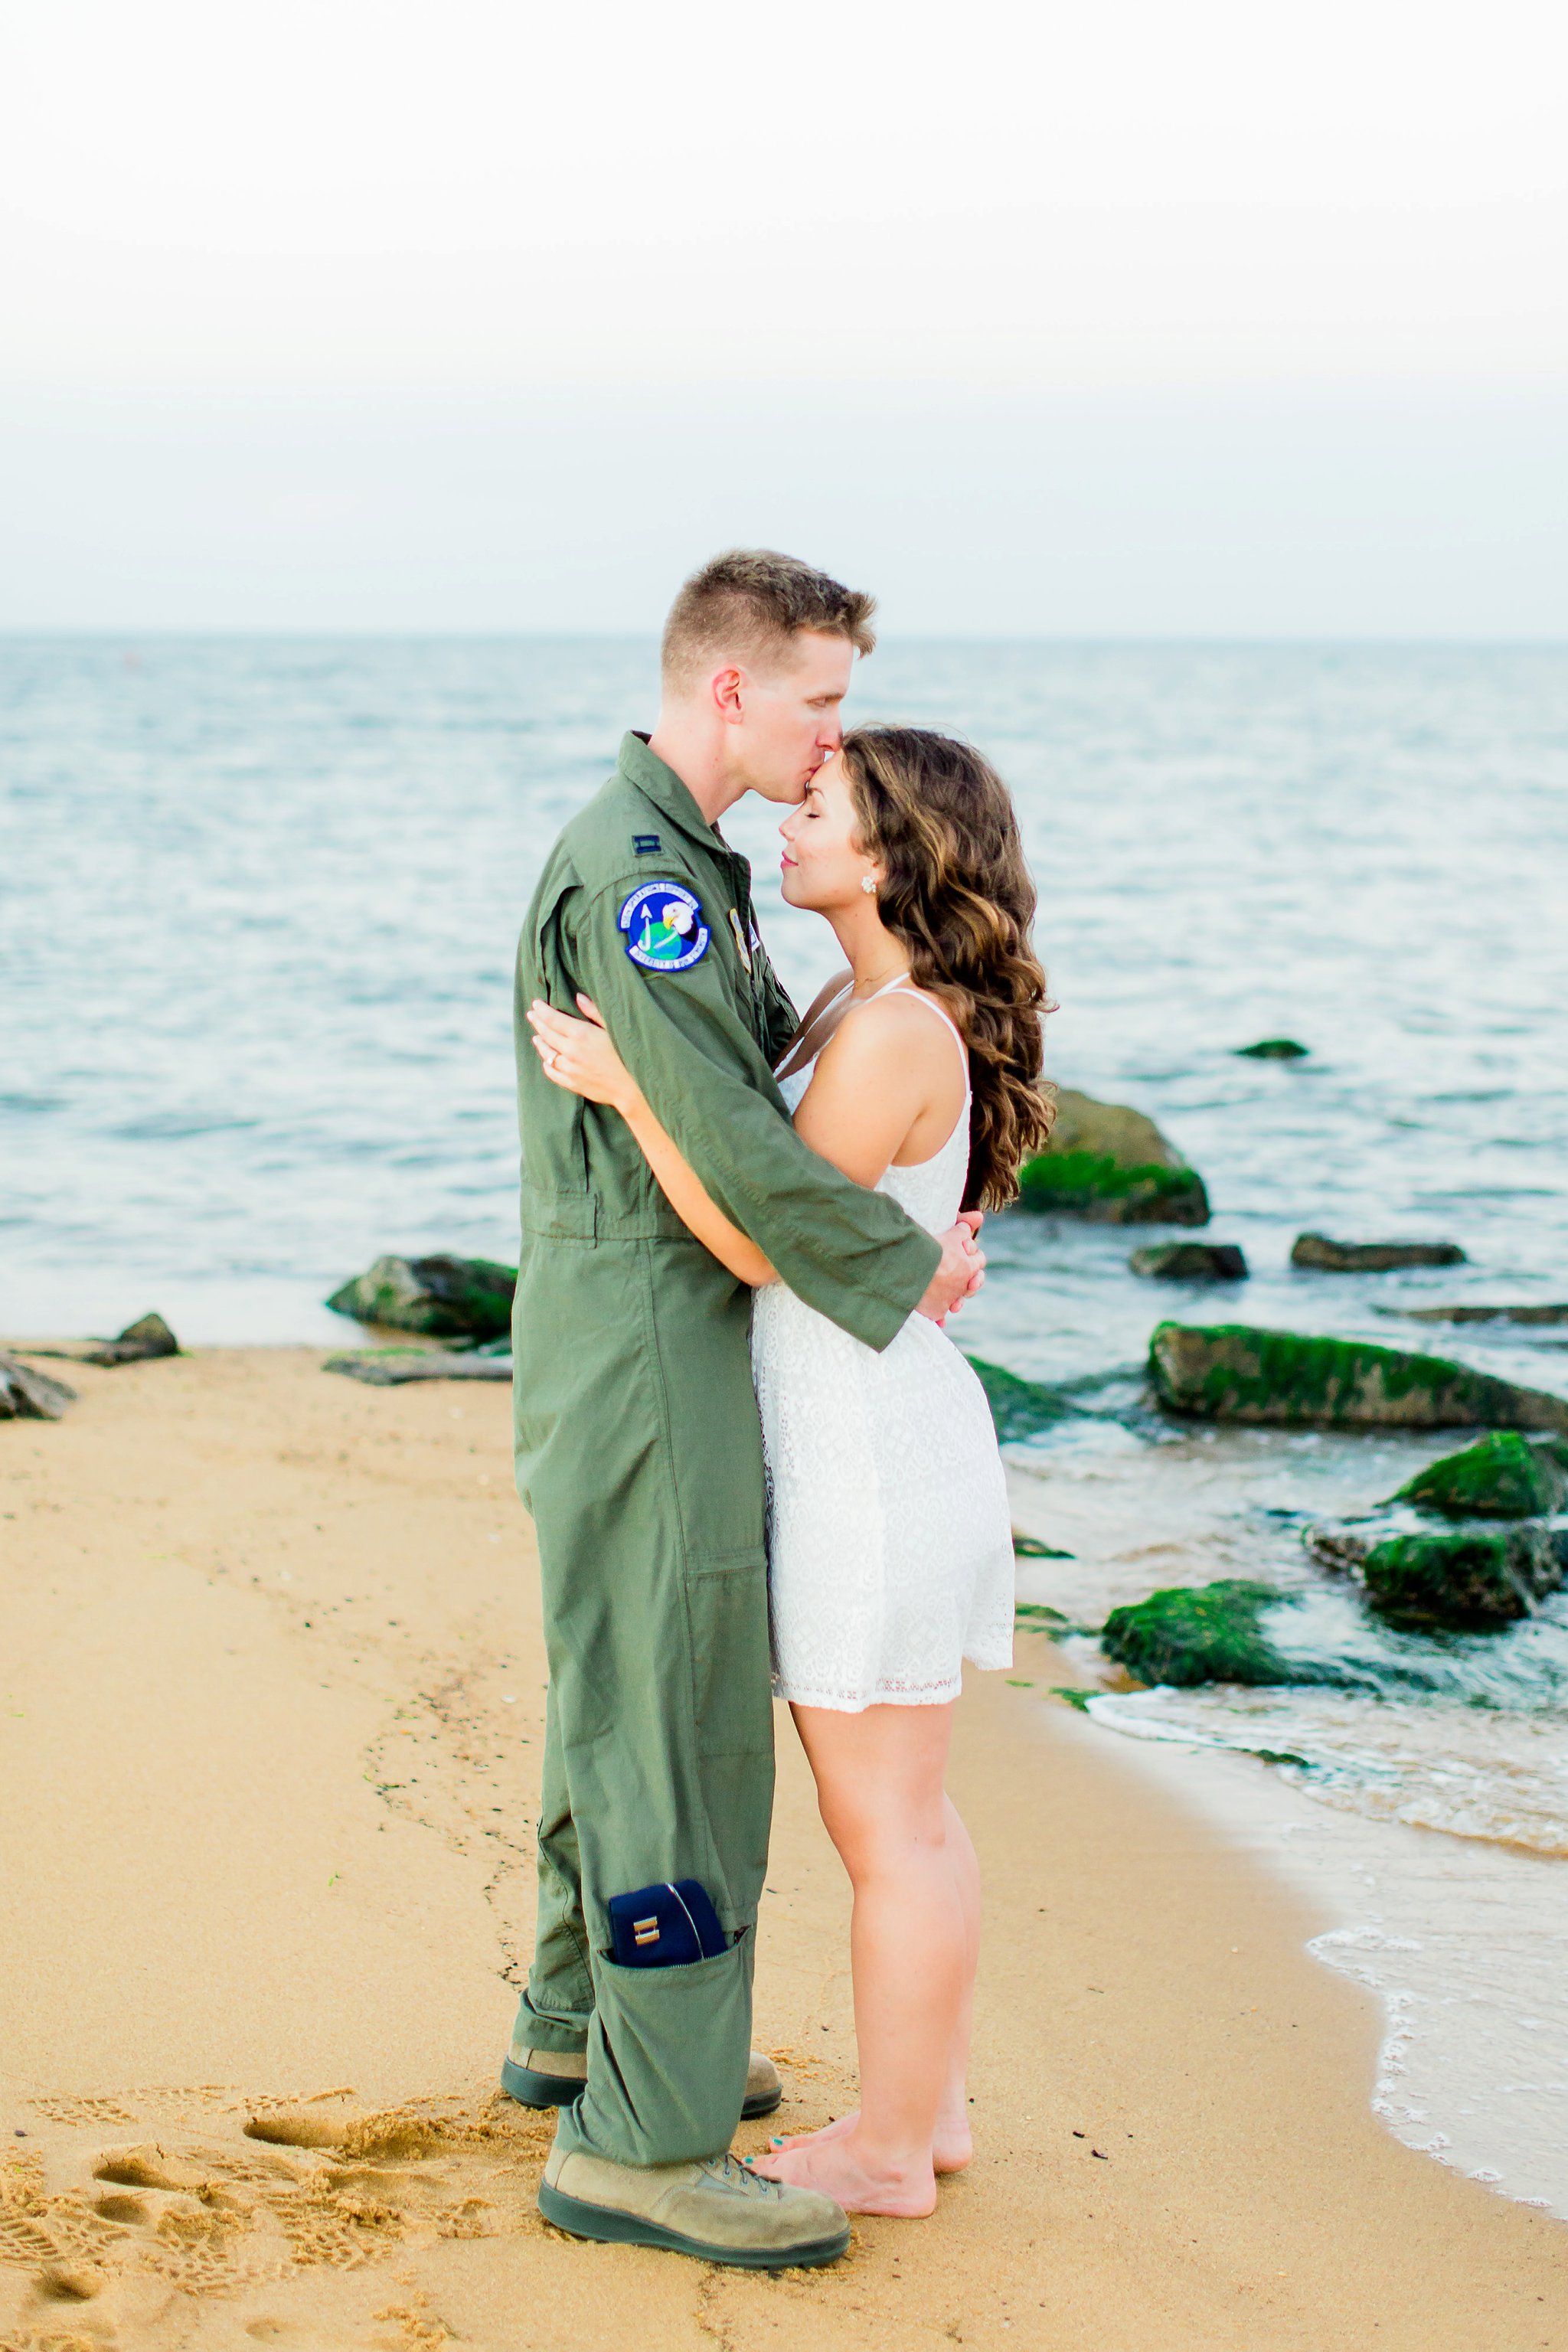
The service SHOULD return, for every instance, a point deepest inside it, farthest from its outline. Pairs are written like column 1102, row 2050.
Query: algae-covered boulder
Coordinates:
column 1019, row 1408
column 1467, row 1580
column 1318, row 1255
column 1111, row 1164
column 1273, row 1049
column 1233, row 1371
column 1187, row 1633
column 1189, row 1262
column 445, row 1298
column 1343, row 1543
column 1501, row 1476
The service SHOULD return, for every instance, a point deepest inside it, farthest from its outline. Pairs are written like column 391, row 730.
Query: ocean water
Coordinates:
column 258, row 904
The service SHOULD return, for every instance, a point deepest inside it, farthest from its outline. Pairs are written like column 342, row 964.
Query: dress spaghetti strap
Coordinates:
column 833, row 1002
column 886, row 988
column 931, row 1006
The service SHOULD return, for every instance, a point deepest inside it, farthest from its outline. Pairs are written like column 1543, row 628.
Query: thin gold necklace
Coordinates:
column 901, row 972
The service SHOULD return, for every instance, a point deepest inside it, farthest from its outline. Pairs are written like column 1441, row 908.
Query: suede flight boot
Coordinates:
column 715, row 2210
column 553, row 2078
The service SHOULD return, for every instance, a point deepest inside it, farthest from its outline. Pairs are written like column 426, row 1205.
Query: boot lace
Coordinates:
column 730, row 2173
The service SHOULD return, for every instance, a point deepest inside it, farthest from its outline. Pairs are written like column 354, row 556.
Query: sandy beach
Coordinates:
column 271, row 1717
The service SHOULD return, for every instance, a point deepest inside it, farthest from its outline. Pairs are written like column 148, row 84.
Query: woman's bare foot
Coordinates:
column 951, row 2147
column 831, row 2162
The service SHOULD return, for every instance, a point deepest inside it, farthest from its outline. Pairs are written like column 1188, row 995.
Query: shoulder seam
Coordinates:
column 632, row 877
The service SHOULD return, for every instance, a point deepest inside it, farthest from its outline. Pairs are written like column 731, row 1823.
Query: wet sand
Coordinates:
column 269, row 1720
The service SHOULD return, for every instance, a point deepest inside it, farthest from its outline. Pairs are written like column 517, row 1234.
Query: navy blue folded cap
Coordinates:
column 665, row 1927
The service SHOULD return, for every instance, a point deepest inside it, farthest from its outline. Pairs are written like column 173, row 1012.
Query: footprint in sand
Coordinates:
column 151, row 2166
column 120, row 2209
column 271, row 2188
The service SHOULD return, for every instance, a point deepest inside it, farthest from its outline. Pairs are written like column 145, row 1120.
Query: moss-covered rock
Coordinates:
column 1501, row 1476
column 445, row 1298
column 1318, row 1255
column 1467, row 1580
column 1019, row 1408
column 1343, row 1543
column 1186, row 1634
column 1232, row 1371
column 1086, row 1184
column 1189, row 1262
column 1274, row 1049
column 1109, row 1163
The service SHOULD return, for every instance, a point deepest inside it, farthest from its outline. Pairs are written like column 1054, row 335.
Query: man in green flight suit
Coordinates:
column 637, row 1444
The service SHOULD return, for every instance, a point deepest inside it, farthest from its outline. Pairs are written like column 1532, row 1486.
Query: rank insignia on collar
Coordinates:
column 644, row 842
column 663, row 927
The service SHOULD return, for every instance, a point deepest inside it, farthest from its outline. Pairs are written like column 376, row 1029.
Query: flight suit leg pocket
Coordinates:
column 668, row 2052
column 727, row 1634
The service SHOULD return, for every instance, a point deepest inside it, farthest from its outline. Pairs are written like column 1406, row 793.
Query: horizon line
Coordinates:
column 373, row 633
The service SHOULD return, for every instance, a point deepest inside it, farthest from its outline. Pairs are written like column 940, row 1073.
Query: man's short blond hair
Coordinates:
column 749, row 604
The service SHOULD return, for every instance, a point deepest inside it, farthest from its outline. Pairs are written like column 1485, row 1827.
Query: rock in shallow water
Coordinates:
column 1232, row 1371
column 1501, row 1476
column 1317, row 1253
column 1189, row 1262
column 1019, row 1408
column 27, row 1395
column 1468, row 1579
column 445, row 1297
column 1546, row 1315
column 1111, row 1164
column 1463, row 1580
column 1273, row 1049
column 1186, row 1634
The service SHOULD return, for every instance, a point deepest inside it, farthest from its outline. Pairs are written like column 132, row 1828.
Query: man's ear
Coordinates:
column 725, row 687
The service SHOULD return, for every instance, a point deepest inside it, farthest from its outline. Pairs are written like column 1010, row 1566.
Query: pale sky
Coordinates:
column 1137, row 319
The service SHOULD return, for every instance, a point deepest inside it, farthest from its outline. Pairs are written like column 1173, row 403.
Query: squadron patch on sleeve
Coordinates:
column 663, row 927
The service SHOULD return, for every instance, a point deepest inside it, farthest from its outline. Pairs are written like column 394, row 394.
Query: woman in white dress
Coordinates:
column 889, row 1547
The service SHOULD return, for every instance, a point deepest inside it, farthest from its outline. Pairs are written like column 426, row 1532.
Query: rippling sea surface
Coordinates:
column 258, row 904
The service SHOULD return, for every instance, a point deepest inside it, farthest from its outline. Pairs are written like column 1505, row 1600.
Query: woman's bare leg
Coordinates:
column 879, row 1787
column 952, row 2145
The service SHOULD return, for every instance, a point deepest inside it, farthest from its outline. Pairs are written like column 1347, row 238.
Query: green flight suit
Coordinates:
column 638, row 1449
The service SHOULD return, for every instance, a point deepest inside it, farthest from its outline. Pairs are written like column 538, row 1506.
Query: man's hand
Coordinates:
column 961, row 1272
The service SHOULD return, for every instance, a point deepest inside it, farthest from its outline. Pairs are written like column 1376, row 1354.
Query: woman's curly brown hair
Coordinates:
column 956, row 890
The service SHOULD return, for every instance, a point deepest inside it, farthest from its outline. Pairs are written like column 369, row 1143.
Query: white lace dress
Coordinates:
column 889, row 1542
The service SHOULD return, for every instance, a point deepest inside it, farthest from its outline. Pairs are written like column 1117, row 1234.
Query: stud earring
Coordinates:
column 866, row 885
